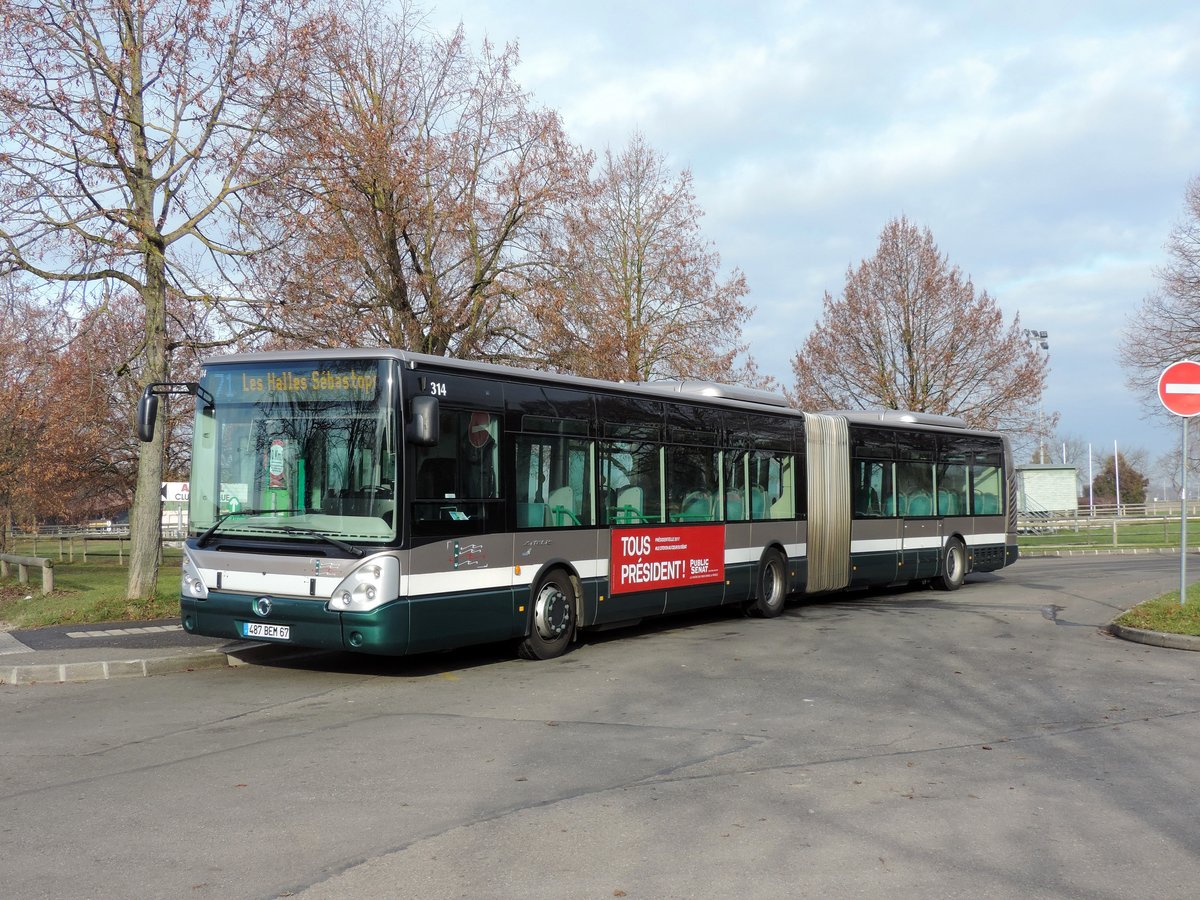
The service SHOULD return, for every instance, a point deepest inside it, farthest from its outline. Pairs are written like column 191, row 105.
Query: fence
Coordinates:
column 23, row 563
column 1130, row 527
column 72, row 542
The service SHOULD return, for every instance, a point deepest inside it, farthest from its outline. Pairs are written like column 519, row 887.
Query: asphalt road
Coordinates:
column 991, row 742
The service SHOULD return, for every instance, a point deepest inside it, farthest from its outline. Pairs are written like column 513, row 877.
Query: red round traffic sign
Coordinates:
column 1179, row 388
column 480, row 430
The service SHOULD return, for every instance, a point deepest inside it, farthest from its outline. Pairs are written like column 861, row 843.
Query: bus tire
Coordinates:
column 552, row 618
column 954, row 566
column 771, row 589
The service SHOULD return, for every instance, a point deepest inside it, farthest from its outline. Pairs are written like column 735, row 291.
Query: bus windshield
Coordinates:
column 304, row 452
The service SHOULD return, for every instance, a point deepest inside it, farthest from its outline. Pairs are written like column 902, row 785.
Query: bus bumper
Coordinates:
column 308, row 623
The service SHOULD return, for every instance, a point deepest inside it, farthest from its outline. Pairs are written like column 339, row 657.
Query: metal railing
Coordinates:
column 1128, row 527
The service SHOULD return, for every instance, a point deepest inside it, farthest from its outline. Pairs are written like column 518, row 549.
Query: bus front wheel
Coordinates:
column 552, row 622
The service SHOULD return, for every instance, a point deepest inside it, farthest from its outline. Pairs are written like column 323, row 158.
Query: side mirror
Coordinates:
column 147, row 415
column 424, row 427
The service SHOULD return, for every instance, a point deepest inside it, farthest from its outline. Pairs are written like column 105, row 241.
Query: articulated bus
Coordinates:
column 389, row 502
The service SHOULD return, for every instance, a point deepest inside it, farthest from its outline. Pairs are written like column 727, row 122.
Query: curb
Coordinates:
column 57, row 673
column 233, row 655
column 1154, row 638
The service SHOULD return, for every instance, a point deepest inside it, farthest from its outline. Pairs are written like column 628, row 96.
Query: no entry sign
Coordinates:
column 1179, row 388
column 1179, row 391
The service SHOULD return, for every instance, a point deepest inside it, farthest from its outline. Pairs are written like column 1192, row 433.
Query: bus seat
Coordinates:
column 758, row 503
column 920, row 504
column 986, row 504
column 947, row 503
column 735, row 506
column 629, row 506
column 560, row 507
column 531, row 515
column 696, row 507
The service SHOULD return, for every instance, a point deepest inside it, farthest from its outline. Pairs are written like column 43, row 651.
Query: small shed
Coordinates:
column 1047, row 488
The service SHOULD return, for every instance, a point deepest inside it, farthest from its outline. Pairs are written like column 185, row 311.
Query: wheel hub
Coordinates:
column 551, row 613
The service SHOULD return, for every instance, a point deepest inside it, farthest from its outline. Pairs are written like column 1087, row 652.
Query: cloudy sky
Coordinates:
column 1046, row 144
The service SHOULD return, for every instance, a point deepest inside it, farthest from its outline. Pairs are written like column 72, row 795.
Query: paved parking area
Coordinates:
column 990, row 742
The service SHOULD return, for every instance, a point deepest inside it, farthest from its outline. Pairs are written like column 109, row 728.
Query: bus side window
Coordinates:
column 458, row 480
column 873, row 489
column 736, row 498
column 554, row 478
column 916, row 488
column 952, row 489
column 772, row 485
column 631, row 482
column 986, row 488
column 692, row 484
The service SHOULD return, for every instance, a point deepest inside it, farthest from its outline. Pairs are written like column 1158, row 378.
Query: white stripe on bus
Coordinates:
column 974, row 540
column 893, row 545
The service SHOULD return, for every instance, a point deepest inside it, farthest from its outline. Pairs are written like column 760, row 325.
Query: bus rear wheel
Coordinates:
column 772, row 586
column 552, row 622
column 954, row 566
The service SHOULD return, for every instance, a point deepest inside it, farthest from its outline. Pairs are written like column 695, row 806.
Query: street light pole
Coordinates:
column 1039, row 340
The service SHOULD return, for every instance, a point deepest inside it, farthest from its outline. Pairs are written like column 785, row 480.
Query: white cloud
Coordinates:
column 1046, row 145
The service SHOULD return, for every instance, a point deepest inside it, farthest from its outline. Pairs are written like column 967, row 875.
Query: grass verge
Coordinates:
column 1139, row 535
column 1167, row 614
column 85, row 593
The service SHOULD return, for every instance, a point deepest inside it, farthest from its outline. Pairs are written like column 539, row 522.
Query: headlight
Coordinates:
column 367, row 586
column 193, row 585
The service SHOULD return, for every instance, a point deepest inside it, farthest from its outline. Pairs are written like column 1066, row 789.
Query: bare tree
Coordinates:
column 1166, row 328
column 910, row 331
column 424, row 177
column 133, row 128
column 638, row 288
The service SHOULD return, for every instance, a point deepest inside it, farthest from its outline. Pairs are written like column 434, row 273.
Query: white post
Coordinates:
column 1091, row 486
column 1183, row 517
column 1117, row 474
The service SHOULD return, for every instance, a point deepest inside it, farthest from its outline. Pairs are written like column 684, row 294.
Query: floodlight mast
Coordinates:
column 1039, row 340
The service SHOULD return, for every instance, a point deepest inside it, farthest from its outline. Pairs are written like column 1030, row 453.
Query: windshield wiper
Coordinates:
column 341, row 545
column 221, row 520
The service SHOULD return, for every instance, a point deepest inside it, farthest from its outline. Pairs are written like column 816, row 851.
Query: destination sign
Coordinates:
column 300, row 382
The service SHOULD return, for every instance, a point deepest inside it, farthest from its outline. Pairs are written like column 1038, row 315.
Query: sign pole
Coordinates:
column 1183, row 516
column 1179, row 391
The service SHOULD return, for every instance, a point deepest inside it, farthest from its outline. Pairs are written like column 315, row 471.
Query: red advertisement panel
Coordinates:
column 646, row 559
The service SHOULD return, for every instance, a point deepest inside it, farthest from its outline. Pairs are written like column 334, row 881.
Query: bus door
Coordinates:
column 875, row 532
column 460, row 566
column 920, row 547
column 921, row 537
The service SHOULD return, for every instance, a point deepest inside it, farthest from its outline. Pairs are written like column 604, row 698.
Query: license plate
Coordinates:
column 266, row 630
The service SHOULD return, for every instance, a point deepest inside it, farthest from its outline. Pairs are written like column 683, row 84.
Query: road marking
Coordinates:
column 124, row 632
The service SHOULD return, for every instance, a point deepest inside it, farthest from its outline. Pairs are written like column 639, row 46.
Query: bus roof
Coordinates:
column 724, row 394
column 682, row 389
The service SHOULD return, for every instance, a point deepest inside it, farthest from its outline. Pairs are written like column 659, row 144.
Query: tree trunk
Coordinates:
column 145, row 516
